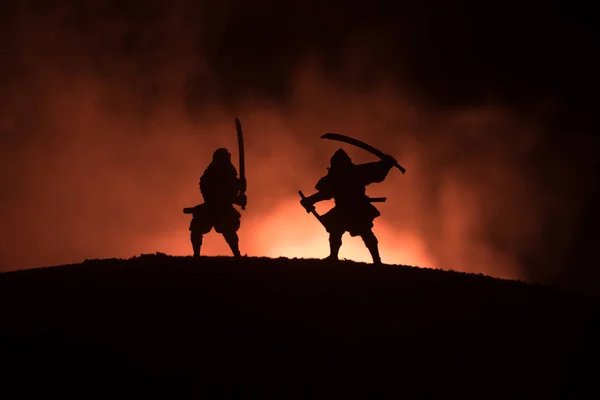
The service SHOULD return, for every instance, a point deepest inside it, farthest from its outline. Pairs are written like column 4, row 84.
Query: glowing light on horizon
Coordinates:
column 290, row 232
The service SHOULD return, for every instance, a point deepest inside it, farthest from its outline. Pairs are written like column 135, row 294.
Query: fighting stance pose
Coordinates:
column 221, row 188
column 346, row 183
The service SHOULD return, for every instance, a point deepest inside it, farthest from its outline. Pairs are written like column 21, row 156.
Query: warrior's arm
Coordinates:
column 374, row 172
column 317, row 197
column 323, row 192
column 240, row 198
column 309, row 202
column 241, row 183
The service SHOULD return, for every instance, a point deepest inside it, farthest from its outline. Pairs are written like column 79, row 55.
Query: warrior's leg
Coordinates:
column 335, row 242
column 233, row 241
column 196, row 239
column 372, row 245
column 228, row 225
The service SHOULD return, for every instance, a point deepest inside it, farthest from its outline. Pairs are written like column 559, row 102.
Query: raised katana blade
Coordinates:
column 362, row 145
column 242, row 163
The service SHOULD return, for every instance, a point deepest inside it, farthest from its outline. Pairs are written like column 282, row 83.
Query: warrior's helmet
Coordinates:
column 340, row 160
column 221, row 156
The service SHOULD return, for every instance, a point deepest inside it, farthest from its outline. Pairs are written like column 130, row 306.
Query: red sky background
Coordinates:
column 109, row 116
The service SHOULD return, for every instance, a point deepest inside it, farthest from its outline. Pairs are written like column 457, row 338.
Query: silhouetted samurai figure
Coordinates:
column 353, row 212
column 221, row 189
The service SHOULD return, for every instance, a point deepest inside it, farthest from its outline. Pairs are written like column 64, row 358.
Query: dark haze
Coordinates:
column 110, row 110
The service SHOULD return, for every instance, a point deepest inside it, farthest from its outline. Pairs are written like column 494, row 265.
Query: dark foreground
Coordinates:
column 169, row 327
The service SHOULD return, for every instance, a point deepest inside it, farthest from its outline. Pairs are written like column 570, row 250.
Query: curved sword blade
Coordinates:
column 360, row 144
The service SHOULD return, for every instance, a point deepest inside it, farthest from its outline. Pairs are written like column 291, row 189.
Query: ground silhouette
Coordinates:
column 176, row 326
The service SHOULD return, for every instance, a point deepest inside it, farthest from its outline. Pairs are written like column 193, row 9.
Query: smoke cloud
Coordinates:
column 109, row 116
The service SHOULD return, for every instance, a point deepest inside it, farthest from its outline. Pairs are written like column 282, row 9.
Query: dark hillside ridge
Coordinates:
column 165, row 325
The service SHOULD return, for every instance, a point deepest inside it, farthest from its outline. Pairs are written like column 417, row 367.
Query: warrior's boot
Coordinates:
column 371, row 242
column 196, row 244
column 335, row 242
column 233, row 242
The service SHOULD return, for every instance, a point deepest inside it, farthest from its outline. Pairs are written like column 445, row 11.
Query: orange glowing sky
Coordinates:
column 107, row 184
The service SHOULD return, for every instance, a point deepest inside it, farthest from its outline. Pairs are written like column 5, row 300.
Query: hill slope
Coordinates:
column 156, row 323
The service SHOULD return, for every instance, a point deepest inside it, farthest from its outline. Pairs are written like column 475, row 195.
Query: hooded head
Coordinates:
column 221, row 156
column 221, row 164
column 340, row 160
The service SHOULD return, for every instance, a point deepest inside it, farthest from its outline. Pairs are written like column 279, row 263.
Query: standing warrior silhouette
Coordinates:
column 346, row 183
column 221, row 189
